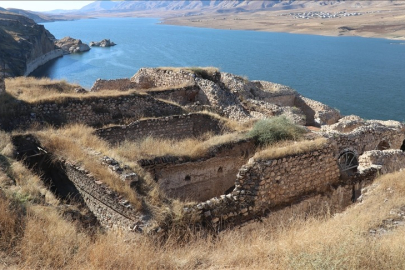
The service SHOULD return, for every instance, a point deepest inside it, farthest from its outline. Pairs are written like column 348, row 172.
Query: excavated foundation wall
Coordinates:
column 184, row 96
column 93, row 111
column 103, row 202
column 387, row 160
column 171, row 127
column 269, row 184
column 75, row 184
column 117, row 84
column 199, row 180
column 367, row 139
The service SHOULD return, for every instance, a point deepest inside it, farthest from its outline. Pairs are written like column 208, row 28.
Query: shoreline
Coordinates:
column 387, row 25
column 167, row 22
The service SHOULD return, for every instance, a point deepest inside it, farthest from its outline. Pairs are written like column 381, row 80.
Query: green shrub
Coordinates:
column 269, row 131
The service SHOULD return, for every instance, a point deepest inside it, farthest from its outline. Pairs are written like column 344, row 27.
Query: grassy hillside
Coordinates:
column 40, row 231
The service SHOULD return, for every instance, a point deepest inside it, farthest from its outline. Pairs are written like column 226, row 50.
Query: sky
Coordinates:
column 43, row 5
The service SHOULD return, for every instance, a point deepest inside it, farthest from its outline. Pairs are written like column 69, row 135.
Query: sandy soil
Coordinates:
column 380, row 21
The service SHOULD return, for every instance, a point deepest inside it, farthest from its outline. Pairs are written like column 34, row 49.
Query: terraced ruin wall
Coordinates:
column 117, row 84
column 93, row 111
column 367, row 139
column 171, row 127
column 101, row 200
column 262, row 185
column 199, row 180
column 387, row 160
column 155, row 77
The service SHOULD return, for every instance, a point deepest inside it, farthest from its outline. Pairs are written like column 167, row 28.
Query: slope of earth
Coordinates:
column 22, row 42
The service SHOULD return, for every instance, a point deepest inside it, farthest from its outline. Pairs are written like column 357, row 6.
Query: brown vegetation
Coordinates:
column 284, row 240
column 288, row 148
column 35, row 235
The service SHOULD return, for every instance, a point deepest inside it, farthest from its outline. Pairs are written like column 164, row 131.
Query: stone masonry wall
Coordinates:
column 264, row 184
column 387, row 161
column 204, row 178
column 172, row 127
column 317, row 113
column 117, row 84
column 285, row 180
column 103, row 202
column 161, row 77
column 93, row 111
column 367, row 138
column 184, row 95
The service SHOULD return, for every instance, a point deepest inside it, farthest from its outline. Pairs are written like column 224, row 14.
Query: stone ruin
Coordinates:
column 230, row 184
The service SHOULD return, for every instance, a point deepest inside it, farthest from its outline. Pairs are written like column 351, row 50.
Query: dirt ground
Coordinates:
column 385, row 20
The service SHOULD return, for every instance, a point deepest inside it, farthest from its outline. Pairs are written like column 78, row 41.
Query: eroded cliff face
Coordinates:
column 24, row 44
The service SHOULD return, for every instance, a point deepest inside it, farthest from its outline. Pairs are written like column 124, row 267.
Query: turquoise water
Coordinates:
column 361, row 76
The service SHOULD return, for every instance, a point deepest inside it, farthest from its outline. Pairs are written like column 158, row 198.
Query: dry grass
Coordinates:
column 290, row 148
column 231, row 124
column 151, row 147
column 41, row 239
column 34, row 90
column 73, row 143
column 285, row 241
column 30, row 88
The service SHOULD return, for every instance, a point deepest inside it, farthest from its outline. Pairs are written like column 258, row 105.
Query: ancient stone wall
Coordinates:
column 161, row 77
column 93, row 111
column 171, row 127
column 268, row 185
column 117, row 84
column 184, row 95
column 284, row 180
column 103, row 202
column 263, row 184
column 317, row 113
column 387, row 161
column 373, row 136
column 204, row 178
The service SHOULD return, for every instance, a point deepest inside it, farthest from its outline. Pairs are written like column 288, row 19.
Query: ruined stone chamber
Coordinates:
column 233, row 181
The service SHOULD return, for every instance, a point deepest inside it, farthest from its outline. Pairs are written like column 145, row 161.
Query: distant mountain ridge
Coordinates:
column 201, row 5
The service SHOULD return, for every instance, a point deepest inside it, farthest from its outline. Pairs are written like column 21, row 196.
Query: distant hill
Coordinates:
column 36, row 17
column 21, row 42
column 107, row 6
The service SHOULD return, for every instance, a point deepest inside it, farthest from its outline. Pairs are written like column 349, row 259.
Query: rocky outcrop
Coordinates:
column 23, row 43
column 103, row 43
column 71, row 45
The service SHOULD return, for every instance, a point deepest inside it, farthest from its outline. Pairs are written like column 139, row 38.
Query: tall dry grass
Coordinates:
column 151, row 147
column 75, row 143
column 33, row 90
column 284, row 240
column 287, row 148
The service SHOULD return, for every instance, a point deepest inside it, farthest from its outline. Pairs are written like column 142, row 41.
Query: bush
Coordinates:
column 272, row 130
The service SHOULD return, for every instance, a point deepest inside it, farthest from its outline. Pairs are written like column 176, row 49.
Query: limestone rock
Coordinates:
column 22, row 41
column 103, row 43
column 71, row 45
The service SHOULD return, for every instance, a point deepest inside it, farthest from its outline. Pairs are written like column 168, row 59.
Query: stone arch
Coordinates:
column 383, row 145
column 348, row 162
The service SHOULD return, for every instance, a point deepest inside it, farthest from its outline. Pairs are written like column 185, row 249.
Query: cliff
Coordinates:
column 25, row 45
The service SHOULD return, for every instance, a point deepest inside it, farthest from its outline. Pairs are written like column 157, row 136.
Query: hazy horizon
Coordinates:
column 44, row 5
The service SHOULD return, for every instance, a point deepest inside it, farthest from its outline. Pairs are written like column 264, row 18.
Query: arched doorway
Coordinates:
column 348, row 162
column 383, row 145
